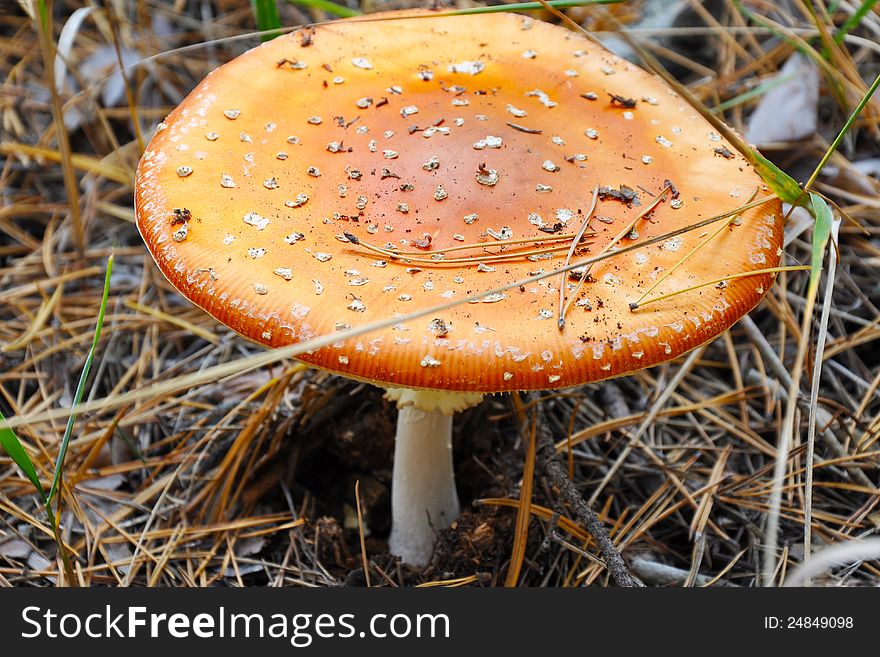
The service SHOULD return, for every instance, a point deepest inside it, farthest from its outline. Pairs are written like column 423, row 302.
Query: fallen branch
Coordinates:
column 554, row 470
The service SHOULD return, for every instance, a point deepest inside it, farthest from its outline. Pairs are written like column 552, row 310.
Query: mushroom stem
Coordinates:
column 423, row 495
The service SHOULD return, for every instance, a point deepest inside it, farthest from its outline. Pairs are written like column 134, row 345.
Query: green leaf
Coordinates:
column 783, row 185
column 328, row 6
column 267, row 17
column 821, row 234
column 81, row 386
column 18, row 454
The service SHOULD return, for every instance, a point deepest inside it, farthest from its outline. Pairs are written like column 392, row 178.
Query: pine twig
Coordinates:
column 554, row 470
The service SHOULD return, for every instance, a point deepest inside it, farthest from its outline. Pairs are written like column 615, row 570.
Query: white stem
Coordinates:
column 423, row 497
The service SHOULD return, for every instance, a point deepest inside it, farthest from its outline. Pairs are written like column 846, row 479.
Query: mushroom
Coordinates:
column 362, row 170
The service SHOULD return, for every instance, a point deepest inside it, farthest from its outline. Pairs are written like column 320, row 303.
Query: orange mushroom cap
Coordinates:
column 261, row 195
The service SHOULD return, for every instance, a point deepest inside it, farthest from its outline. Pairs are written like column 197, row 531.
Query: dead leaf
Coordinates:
column 788, row 111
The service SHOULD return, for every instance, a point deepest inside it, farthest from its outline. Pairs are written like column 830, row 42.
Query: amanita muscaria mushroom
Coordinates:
column 361, row 170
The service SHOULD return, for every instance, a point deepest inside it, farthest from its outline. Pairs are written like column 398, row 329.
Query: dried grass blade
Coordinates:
column 743, row 274
column 76, row 160
column 47, row 46
column 574, row 243
column 37, row 323
column 523, row 513
column 690, row 253
column 821, row 337
column 607, row 248
column 364, row 561
column 204, row 334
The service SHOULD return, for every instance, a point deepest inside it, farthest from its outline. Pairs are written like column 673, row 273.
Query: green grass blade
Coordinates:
column 853, row 21
column 18, row 454
column 81, row 386
column 756, row 92
column 327, row 5
column 846, row 126
column 821, row 234
column 267, row 17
